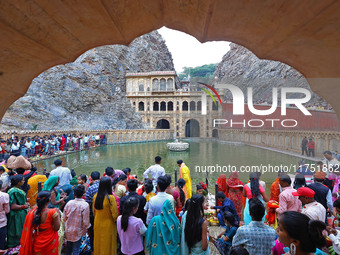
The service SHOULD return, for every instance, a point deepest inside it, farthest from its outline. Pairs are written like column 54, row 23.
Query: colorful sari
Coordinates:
column 246, row 215
column 184, row 173
column 235, row 187
column 44, row 241
column 16, row 218
column 49, row 186
column 164, row 232
column 222, row 184
column 275, row 190
column 105, row 227
column 33, row 191
column 62, row 145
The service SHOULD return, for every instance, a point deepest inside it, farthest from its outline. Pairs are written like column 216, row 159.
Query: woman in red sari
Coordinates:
column 45, row 223
column 63, row 142
column 235, row 187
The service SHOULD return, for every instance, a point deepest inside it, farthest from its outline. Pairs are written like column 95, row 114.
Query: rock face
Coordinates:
column 242, row 68
column 90, row 92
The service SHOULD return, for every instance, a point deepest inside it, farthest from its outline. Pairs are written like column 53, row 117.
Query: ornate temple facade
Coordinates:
column 163, row 106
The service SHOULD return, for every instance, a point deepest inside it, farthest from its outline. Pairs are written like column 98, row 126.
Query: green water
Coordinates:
column 202, row 153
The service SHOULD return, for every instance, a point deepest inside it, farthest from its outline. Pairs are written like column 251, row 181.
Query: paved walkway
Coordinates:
column 291, row 153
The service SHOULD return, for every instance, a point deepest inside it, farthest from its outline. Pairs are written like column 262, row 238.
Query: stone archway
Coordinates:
column 215, row 133
column 163, row 124
column 57, row 32
column 192, row 128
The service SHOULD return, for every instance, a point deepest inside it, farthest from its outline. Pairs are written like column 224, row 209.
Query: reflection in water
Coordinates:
column 202, row 153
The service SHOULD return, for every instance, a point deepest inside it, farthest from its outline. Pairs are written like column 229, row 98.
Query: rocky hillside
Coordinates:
column 241, row 67
column 90, row 92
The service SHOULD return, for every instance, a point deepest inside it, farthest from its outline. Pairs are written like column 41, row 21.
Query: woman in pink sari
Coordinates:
column 235, row 187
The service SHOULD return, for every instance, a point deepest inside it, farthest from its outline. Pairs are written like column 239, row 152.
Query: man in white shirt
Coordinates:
column 86, row 141
column 155, row 171
column 331, row 164
column 311, row 208
column 156, row 202
column 28, row 145
column 63, row 173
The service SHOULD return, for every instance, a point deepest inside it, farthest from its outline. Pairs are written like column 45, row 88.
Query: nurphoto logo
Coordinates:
column 238, row 104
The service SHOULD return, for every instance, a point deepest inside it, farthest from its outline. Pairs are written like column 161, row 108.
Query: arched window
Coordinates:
column 141, row 106
column 192, row 106
column 155, row 106
column 170, row 84
column 155, row 85
column 185, row 106
column 163, row 85
column 170, row 106
column 199, row 106
column 163, row 106
column 141, row 87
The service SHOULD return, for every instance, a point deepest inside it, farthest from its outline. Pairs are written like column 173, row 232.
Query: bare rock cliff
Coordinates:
column 90, row 92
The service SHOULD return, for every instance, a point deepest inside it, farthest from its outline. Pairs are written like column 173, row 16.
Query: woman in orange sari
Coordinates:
column 235, row 188
column 40, row 233
column 222, row 184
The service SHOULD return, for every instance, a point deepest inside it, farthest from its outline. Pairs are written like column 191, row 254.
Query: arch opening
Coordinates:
column 192, row 128
column 163, row 124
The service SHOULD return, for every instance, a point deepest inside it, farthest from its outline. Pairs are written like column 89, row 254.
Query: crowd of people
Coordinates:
column 48, row 145
column 115, row 213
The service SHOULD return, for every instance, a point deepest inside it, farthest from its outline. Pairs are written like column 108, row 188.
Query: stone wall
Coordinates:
column 113, row 136
column 283, row 140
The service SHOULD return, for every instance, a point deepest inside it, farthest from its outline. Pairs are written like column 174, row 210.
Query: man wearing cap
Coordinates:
column 323, row 194
column 311, row 208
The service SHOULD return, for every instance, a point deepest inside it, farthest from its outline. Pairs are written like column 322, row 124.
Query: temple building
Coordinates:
column 155, row 97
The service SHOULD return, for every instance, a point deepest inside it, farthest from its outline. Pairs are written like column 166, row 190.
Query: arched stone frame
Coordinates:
column 158, row 119
column 333, row 144
column 199, row 105
column 287, row 142
column 170, row 84
column 141, row 87
column 155, row 84
column 162, row 84
column 185, row 121
column 185, row 106
column 141, row 106
column 155, row 106
column 170, row 106
column 162, row 106
column 192, row 106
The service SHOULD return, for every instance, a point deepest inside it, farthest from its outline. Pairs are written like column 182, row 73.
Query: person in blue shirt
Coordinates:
column 227, row 206
column 224, row 241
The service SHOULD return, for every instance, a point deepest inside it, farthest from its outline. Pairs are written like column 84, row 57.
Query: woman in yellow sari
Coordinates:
column 184, row 173
column 105, row 215
column 33, row 191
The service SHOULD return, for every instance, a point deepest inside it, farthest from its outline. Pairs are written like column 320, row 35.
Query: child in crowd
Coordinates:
column 77, row 220
column 199, row 189
column 148, row 193
column 130, row 228
column 224, row 241
column 127, row 172
column 82, row 180
column 120, row 185
column 4, row 209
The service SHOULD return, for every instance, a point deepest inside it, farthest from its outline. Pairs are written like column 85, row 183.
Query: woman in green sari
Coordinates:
column 57, row 199
column 164, row 232
column 19, row 206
